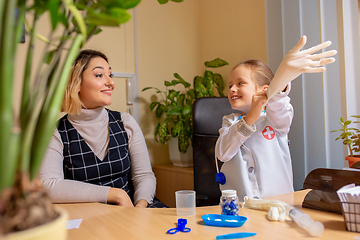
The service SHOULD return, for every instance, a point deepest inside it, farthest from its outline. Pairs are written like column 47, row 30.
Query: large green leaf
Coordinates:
column 181, row 80
column 114, row 18
column 180, row 100
column 183, row 142
column 163, row 132
column 209, row 82
column 54, row 6
column 216, row 63
column 187, row 110
column 159, row 110
column 175, row 130
column 163, row 1
column 127, row 4
column 200, row 90
column 174, row 111
column 219, row 81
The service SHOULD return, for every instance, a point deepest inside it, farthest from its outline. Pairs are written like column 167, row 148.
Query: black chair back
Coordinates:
column 207, row 120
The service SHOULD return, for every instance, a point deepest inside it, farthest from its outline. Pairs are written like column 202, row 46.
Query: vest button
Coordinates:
column 251, row 169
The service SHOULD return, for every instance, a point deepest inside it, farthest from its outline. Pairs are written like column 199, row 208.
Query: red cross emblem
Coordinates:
column 268, row 133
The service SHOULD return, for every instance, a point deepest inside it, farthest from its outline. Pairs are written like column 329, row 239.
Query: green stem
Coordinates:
column 25, row 99
column 48, row 118
column 6, row 87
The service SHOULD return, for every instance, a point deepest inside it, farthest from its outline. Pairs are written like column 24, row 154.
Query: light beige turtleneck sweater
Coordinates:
column 93, row 126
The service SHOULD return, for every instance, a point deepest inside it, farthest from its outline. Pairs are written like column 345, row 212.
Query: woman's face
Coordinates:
column 97, row 84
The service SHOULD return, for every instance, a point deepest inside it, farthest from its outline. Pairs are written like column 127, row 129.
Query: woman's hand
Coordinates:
column 141, row 203
column 119, row 197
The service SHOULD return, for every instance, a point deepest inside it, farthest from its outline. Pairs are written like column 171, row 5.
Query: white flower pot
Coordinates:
column 178, row 158
column 54, row 230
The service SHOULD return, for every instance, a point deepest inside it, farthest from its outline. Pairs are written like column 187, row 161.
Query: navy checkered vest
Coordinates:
column 81, row 164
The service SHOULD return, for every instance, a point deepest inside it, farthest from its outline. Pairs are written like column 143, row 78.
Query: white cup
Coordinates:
column 185, row 202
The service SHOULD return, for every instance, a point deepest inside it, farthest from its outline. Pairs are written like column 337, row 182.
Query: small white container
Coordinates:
column 229, row 202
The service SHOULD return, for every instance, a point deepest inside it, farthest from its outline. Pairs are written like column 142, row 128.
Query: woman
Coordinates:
column 97, row 155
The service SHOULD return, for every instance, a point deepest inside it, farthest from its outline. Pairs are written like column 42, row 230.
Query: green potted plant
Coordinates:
column 174, row 107
column 24, row 135
column 351, row 139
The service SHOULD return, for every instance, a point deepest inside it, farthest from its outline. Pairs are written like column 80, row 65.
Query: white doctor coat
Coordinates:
column 257, row 160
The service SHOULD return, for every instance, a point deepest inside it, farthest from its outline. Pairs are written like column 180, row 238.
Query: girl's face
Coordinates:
column 97, row 84
column 242, row 88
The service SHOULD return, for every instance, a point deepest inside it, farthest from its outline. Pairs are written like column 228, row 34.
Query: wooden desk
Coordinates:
column 101, row 221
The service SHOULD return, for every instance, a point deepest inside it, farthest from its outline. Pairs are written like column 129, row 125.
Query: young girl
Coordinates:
column 254, row 144
column 97, row 155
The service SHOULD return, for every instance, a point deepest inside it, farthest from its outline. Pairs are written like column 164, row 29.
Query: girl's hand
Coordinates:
column 141, row 203
column 258, row 101
column 299, row 61
column 119, row 197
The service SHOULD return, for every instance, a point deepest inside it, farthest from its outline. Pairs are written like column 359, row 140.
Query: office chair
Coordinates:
column 207, row 119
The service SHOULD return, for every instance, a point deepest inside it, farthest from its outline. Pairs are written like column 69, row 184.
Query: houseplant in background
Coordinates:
column 351, row 139
column 25, row 133
column 174, row 108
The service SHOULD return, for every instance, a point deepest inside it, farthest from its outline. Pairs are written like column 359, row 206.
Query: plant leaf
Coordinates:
column 216, row 63
column 209, row 83
column 159, row 110
column 182, row 81
column 153, row 105
column 200, row 90
column 187, row 110
column 163, row 132
column 183, row 142
column 54, row 6
column 168, row 84
column 172, row 95
column 156, row 131
column 191, row 94
column 180, row 100
column 175, row 130
column 348, row 122
column 127, row 4
column 174, row 111
column 163, row 1
column 219, row 81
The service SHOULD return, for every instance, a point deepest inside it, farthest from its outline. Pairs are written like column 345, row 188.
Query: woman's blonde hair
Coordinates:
column 261, row 74
column 72, row 103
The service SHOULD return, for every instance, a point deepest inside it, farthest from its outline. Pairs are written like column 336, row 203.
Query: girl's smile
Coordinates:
column 242, row 88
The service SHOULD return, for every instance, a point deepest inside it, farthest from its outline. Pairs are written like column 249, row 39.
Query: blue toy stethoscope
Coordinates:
column 219, row 176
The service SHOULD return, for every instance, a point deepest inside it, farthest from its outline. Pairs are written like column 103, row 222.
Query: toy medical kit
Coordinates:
column 235, row 235
column 220, row 220
column 180, row 227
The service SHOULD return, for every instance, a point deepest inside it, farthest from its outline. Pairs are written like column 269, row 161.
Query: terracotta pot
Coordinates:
column 352, row 160
column 55, row 230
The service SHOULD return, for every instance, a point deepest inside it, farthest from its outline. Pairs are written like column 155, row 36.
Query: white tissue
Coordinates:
column 349, row 195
